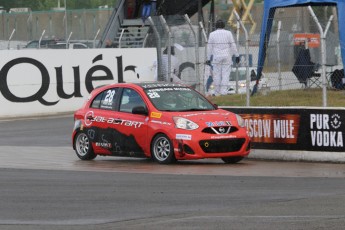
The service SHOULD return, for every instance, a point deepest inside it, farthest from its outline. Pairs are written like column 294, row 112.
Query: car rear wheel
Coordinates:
column 162, row 150
column 231, row 160
column 83, row 147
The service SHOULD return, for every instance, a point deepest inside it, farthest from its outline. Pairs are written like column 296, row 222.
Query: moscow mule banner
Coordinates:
column 294, row 129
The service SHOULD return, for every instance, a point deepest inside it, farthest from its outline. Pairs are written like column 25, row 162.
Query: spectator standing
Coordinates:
column 146, row 11
column 130, row 5
column 222, row 46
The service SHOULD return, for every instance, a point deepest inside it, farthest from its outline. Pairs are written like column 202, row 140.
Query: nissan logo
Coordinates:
column 221, row 130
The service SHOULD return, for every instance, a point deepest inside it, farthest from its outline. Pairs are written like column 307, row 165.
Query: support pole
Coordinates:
column 167, row 29
column 278, row 56
column 247, row 59
column 197, row 62
column 323, row 53
column 160, row 77
column 10, row 38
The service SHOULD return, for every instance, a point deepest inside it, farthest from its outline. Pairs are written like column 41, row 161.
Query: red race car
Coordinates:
column 163, row 121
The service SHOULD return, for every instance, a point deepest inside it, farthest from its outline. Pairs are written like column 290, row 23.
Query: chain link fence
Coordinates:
column 293, row 52
column 81, row 25
column 293, row 57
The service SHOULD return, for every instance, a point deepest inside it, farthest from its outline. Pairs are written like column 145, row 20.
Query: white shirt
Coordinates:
column 221, row 44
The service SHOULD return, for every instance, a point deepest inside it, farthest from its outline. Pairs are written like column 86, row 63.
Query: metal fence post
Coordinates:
column 160, row 77
column 247, row 59
column 237, row 44
column 166, row 27
column 197, row 62
column 278, row 56
column 39, row 41
column 323, row 53
column 202, row 80
column 94, row 39
column 10, row 38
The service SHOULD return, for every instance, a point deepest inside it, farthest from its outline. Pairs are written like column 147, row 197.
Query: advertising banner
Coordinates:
column 35, row 82
column 295, row 129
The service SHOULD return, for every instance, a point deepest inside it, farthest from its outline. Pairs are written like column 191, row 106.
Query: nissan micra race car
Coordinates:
column 163, row 121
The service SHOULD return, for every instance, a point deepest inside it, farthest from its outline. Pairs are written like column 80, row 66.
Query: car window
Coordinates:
column 58, row 46
column 241, row 75
column 108, row 99
column 105, row 100
column 130, row 99
column 97, row 101
column 79, row 46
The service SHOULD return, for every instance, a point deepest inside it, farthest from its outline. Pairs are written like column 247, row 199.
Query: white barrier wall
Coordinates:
column 37, row 82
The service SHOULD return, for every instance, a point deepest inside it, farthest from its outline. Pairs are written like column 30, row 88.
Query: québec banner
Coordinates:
column 35, row 82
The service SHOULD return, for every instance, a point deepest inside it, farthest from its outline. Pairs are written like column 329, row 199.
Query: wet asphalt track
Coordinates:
column 45, row 186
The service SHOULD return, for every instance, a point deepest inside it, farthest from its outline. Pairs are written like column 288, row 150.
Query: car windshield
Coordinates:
column 241, row 75
column 178, row 99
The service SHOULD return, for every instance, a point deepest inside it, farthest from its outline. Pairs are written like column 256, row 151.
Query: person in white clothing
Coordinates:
column 221, row 47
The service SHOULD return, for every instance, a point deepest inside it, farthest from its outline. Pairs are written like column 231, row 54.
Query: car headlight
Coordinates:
column 183, row 123
column 240, row 120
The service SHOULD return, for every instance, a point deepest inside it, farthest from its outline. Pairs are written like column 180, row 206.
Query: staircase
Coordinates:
column 131, row 34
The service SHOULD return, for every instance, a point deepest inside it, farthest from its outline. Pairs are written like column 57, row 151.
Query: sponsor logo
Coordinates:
column 186, row 137
column 90, row 118
column 103, row 145
column 221, row 130
column 156, row 115
column 324, row 130
column 218, row 123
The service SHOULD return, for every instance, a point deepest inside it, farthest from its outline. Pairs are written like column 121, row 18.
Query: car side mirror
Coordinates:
column 216, row 106
column 141, row 110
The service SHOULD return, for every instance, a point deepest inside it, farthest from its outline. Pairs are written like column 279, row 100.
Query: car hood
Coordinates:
column 210, row 118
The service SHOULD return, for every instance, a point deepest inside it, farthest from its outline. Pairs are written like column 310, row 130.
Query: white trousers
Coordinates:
column 221, row 74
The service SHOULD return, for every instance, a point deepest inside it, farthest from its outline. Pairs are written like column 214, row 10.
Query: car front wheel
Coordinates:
column 83, row 147
column 231, row 160
column 162, row 150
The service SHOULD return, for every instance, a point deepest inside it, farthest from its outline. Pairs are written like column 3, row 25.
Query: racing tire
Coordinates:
column 231, row 160
column 83, row 147
column 162, row 149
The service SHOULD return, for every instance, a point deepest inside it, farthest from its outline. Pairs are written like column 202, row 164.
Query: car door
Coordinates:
column 132, row 128
column 99, row 121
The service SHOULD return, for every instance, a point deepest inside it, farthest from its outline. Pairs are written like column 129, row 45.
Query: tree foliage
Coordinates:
column 35, row 5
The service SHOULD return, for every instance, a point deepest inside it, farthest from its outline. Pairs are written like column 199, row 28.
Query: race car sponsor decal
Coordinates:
column 117, row 143
column 161, row 122
column 103, row 145
column 160, row 85
column 90, row 118
column 223, row 137
column 183, row 137
column 156, row 115
column 154, row 93
column 218, row 123
column 205, row 114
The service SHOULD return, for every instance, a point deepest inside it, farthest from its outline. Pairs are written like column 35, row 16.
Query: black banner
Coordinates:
column 294, row 129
